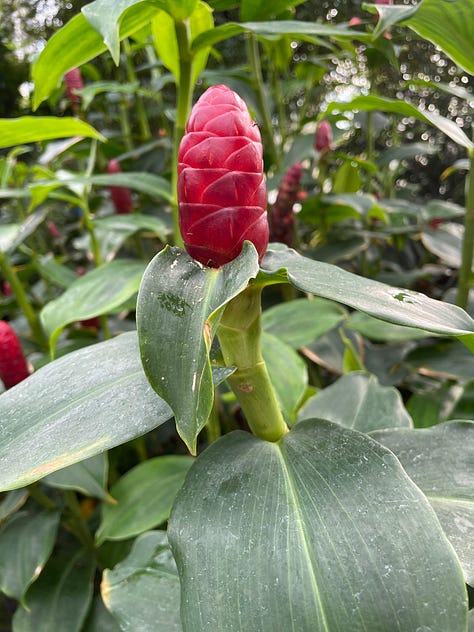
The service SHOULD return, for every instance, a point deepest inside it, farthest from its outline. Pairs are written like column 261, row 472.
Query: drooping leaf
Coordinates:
column 98, row 292
column 440, row 461
column 26, row 542
column 358, row 401
column 373, row 103
column 379, row 330
column 320, row 531
column 61, row 597
column 12, row 502
column 445, row 24
column 142, row 591
column 88, row 477
column 75, row 407
column 76, row 43
column 177, row 297
column 144, row 496
column 32, row 129
column 395, row 305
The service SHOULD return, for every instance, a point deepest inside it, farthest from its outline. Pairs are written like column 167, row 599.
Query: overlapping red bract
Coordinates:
column 323, row 137
column 121, row 196
column 13, row 366
column 221, row 188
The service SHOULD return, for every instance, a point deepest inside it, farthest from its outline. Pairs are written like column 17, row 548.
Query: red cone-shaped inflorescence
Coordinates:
column 121, row 196
column 13, row 366
column 73, row 81
column 282, row 218
column 323, row 137
column 221, row 188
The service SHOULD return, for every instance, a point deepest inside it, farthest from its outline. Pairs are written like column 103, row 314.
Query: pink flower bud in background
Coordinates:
column 6, row 289
column 221, row 188
column 121, row 196
column 323, row 137
column 73, row 81
column 13, row 366
column 383, row 1
column 354, row 21
column 281, row 216
column 53, row 230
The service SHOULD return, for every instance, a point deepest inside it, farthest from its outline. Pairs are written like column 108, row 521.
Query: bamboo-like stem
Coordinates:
column 239, row 334
column 183, row 107
column 140, row 108
column 467, row 253
column 257, row 79
column 18, row 290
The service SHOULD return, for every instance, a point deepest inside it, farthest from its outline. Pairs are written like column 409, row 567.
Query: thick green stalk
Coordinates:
column 257, row 78
column 183, row 107
column 239, row 334
column 140, row 108
column 465, row 272
column 18, row 290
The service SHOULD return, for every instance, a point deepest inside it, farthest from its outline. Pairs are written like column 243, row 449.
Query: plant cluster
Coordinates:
column 236, row 341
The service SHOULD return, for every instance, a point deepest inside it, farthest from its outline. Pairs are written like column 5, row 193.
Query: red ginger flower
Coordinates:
column 13, row 366
column 282, row 219
column 323, row 138
column 73, row 81
column 121, row 196
column 221, row 188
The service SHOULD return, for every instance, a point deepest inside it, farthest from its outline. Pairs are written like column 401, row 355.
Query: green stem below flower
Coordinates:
column 467, row 253
column 239, row 334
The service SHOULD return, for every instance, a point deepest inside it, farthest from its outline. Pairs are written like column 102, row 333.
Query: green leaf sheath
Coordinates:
column 239, row 334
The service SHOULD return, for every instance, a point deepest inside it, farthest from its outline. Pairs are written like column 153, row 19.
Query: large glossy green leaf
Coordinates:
column 75, row 407
column 98, row 292
column 358, row 401
column 60, row 599
column 288, row 374
column 78, row 42
column 88, row 477
column 320, row 531
column 142, row 592
column 26, row 542
column 440, row 461
column 177, row 297
column 144, row 496
column 372, row 103
column 31, row 129
column 446, row 24
column 395, row 305
column 293, row 28
column 300, row 322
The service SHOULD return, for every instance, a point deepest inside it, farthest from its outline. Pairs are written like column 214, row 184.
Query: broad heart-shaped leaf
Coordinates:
column 26, row 542
column 88, row 477
column 75, row 407
column 77, row 42
column 358, row 401
column 61, row 597
column 322, row 531
column 142, row 591
column 440, row 461
column 298, row 323
column 31, row 129
column 177, row 297
column 446, row 24
column 97, row 292
column 395, row 305
column 144, row 496
column 105, row 17
column 371, row 103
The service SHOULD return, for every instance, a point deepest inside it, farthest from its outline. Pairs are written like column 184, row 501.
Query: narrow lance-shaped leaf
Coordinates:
column 32, row 129
column 395, row 305
column 177, row 297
